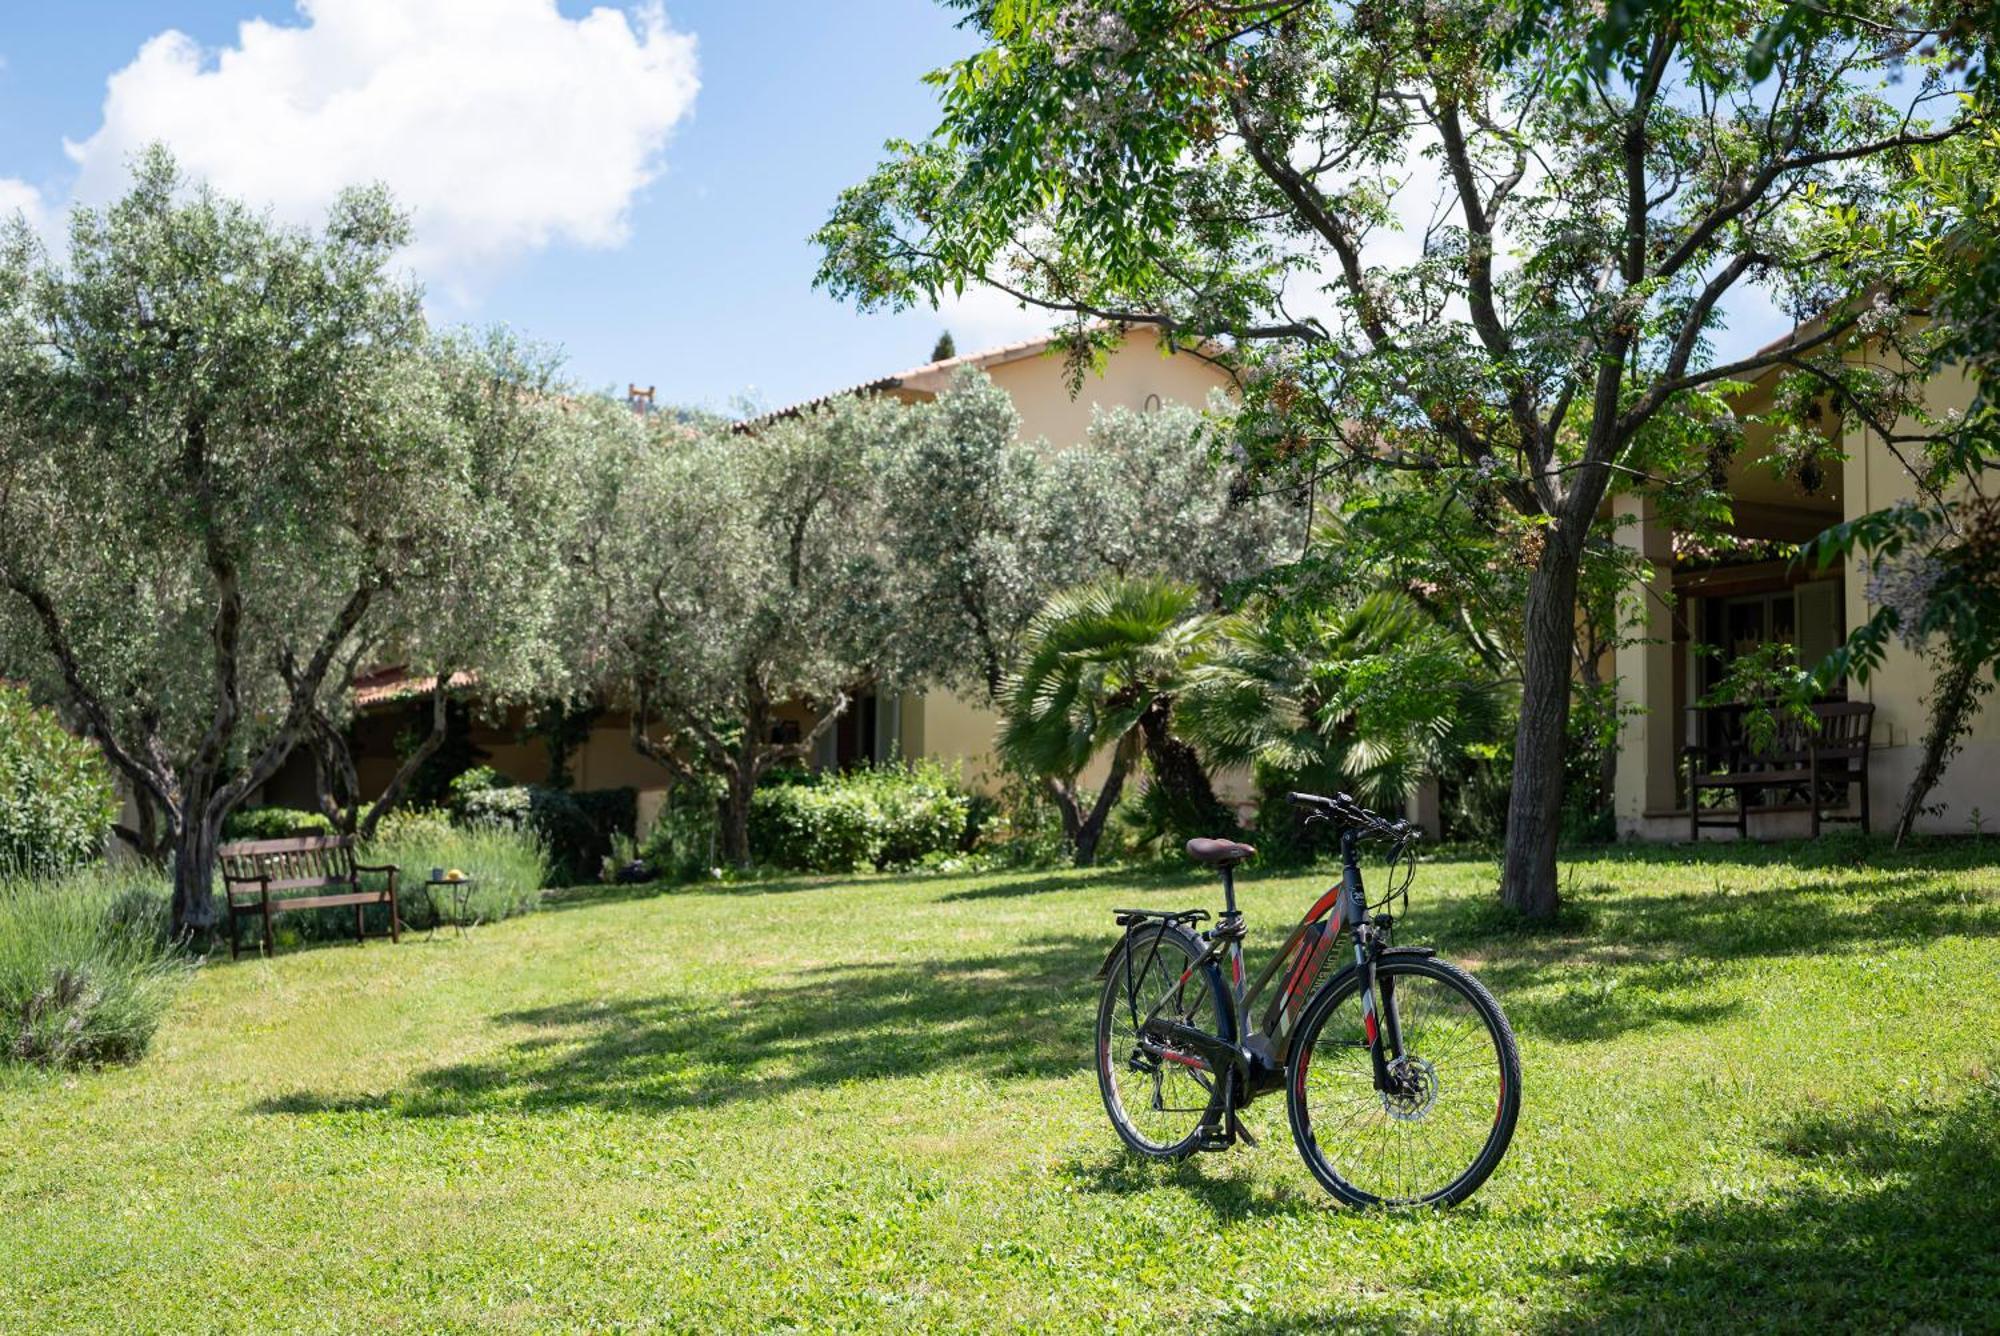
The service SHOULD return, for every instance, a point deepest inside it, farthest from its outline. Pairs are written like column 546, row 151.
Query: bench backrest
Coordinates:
column 301, row 860
column 1838, row 729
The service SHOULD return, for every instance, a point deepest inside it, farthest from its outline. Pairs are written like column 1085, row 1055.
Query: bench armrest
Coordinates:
column 247, row 881
column 372, row 867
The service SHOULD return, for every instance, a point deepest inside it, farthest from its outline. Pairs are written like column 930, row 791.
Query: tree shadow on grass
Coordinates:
column 1204, row 1177
column 1892, row 1224
column 1018, row 1014
column 1139, row 881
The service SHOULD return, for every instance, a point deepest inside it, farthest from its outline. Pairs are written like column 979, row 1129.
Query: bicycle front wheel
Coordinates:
column 1433, row 1137
column 1158, row 1097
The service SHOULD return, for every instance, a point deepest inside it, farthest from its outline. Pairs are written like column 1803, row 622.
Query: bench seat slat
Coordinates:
column 281, row 903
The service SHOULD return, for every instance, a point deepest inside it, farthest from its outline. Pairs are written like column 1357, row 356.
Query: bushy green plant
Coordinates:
column 1021, row 827
column 56, row 799
column 575, row 846
column 508, row 866
column 479, row 779
column 274, row 823
column 815, row 827
column 685, row 839
column 86, row 969
column 885, row 817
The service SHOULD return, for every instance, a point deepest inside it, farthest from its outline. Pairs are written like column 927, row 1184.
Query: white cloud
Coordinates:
column 17, row 196
column 986, row 317
column 501, row 125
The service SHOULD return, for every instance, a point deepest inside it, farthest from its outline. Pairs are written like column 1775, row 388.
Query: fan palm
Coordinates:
column 1369, row 698
column 1099, row 668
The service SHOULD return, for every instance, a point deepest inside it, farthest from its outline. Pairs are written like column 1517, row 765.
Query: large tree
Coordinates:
column 488, row 610
column 725, row 575
column 222, row 443
column 1604, row 185
column 1231, row 171
column 985, row 527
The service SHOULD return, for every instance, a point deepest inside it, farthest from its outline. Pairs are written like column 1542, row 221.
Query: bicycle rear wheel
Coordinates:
column 1434, row 1138
column 1158, row 1097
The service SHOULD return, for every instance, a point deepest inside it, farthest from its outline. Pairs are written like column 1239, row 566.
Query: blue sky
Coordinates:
column 634, row 184
column 709, row 295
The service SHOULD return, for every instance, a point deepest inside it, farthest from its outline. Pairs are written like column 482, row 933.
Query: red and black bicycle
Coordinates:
column 1400, row 1072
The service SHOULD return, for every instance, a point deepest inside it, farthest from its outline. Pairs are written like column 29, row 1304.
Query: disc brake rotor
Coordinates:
column 1416, row 1090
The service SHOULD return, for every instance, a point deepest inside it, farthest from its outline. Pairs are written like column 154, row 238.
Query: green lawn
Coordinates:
column 1761, row 1088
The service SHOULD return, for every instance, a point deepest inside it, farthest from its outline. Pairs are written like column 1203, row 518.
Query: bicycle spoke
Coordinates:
column 1415, row 1140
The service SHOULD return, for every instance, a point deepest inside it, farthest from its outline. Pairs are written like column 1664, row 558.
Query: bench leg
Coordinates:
column 395, row 935
column 1862, row 780
column 270, row 938
column 1812, row 791
column 360, row 927
column 234, row 931
column 1694, row 806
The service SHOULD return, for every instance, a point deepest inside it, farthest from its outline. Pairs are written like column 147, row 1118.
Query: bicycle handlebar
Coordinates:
column 1347, row 812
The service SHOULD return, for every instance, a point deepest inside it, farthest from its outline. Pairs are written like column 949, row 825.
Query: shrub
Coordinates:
column 274, row 823
column 479, row 779
column 889, row 817
column 507, row 865
column 682, row 843
column 86, row 970
column 573, row 845
column 815, row 828
column 923, row 811
column 56, row 799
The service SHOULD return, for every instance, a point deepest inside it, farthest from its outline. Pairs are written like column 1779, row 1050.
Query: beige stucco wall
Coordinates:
column 1873, row 479
column 1132, row 375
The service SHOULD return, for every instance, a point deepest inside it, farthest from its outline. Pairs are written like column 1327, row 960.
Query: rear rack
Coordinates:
column 1125, row 918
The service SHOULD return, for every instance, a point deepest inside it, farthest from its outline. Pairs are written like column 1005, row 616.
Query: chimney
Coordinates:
column 640, row 401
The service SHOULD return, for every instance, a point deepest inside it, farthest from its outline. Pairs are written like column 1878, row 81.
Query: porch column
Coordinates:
column 1425, row 808
column 1645, row 668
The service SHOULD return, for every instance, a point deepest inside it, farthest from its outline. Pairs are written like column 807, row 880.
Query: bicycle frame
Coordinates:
column 1261, row 1056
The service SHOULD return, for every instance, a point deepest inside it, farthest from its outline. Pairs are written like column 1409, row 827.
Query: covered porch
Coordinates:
column 1697, row 610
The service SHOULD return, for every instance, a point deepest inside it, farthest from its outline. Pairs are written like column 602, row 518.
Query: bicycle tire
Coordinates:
column 1354, row 1116
column 1117, row 1056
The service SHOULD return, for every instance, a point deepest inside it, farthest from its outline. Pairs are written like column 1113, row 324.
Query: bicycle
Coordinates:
column 1386, row 1066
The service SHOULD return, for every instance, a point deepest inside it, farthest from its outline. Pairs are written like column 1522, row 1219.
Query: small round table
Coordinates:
column 461, row 902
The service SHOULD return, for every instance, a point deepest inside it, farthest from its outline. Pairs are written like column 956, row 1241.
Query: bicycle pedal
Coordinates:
column 1214, row 1138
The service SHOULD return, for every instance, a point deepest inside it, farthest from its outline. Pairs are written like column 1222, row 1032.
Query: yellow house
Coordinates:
column 1735, row 606
column 1139, row 375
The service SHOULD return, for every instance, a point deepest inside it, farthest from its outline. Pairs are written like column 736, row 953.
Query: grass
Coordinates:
column 1762, row 1090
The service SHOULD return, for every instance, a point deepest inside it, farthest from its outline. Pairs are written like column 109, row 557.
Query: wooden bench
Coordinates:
column 1818, row 761
column 255, row 871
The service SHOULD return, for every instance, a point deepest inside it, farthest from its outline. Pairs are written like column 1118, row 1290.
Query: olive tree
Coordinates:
column 984, row 527
column 223, row 445
column 1606, row 179
column 724, row 574
column 486, row 614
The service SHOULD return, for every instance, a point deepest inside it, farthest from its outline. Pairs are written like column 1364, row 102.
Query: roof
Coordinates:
column 930, row 378
column 382, row 686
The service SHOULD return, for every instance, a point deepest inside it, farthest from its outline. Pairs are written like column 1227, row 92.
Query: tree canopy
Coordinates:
column 1598, row 186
